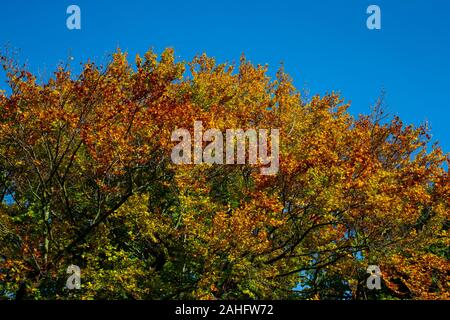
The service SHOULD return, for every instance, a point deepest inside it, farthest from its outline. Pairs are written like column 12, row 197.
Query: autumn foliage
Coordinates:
column 86, row 179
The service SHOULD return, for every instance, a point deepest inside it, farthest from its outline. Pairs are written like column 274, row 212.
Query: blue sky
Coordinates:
column 324, row 45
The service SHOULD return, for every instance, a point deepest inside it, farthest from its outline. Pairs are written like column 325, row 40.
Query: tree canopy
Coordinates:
column 86, row 179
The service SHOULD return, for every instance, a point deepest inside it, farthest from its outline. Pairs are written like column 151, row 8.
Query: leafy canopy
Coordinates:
column 86, row 179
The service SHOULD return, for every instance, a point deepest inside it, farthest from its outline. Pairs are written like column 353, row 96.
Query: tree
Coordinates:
column 85, row 162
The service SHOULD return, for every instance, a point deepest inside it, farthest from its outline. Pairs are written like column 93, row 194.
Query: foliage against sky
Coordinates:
column 86, row 159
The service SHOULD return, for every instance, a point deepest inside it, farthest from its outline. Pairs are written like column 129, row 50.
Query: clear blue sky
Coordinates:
column 323, row 44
